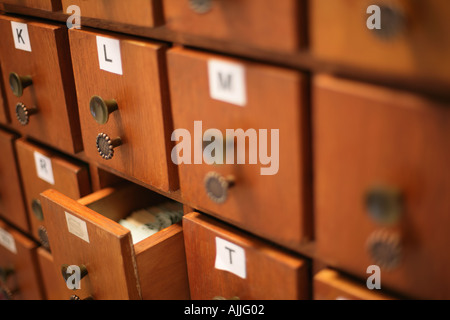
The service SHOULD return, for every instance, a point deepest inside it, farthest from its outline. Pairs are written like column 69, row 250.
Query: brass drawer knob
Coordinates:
column 5, row 273
column 43, row 237
column 36, row 207
column 385, row 248
column 223, row 298
column 77, row 298
column 66, row 275
column 200, row 6
column 23, row 113
column 19, row 83
column 101, row 109
column 384, row 204
column 393, row 22
column 217, row 186
column 106, row 146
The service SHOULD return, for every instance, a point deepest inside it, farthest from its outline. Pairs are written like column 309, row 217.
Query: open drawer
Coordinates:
column 87, row 234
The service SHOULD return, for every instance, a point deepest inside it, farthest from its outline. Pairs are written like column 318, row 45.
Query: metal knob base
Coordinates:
column 217, row 187
column 19, row 83
column 66, row 275
column 101, row 109
column 385, row 249
column 200, row 6
column 384, row 204
column 106, row 146
column 23, row 113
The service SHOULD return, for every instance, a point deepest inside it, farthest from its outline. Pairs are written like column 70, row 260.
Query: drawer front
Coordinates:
column 143, row 13
column 42, row 169
column 266, row 24
column 225, row 263
column 409, row 43
column 39, row 83
column 142, row 119
column 382, row 184
column 332, row 285
column 88, row 232
column 48, row 5
column 263, row 202
column 80, row 236
column 12, row 205
column 18, row 262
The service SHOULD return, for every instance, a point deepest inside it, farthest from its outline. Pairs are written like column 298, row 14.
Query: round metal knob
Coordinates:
column 385, row 249
column 43, row 237
column 200, row 6
column 217, row 186
column 101, row 109
column 6, row 293
column 23, row 113
column 36, row 207
column 393, row 22
column 5, row 273
column 77, row 298
column 66, row 275
column 19, row 83
column 106, row 146
column 384, row 204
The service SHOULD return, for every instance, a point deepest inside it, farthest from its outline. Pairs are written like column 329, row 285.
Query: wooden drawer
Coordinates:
column 261, row 202
column 382, row 184
column 142, row 120
column 18, row 260
column 269, row 25
column 51, row 94
column 47, row 5
column 332, row 285
column 86, row 232
column 143, row 13
column 54, row 288
column 410, row 42
column 12, row 205
column 44, row 169
column 226, row 263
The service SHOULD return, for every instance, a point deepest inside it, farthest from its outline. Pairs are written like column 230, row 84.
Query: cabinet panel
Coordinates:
column 382, row 184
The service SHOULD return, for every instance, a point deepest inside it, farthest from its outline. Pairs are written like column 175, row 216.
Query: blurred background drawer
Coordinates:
column 144, row 13
column 54, row 288
column 18, row 265
column 12, row 205
column 382, row 184
column 243, row 194
column 43, row 169
column 48, row 5
column 411, row 41
column 270, row 25
column 40, row 88
column 87, row 233
column 126, row 101
column 224, row 263
column 332, row 285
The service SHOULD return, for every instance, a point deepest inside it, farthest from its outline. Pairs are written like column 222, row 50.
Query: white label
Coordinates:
column 20, row 35
column 109, row 55
column 44, row 168
column 230, row 257
column 227, row 82
column 77, row 227
column 7, row 240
